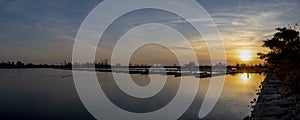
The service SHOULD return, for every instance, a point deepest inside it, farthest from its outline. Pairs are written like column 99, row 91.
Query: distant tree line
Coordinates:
column 20, row 64
column 65, row 65
column 103, row 64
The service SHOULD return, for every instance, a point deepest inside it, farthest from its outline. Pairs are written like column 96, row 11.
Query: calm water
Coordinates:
column 51, row 94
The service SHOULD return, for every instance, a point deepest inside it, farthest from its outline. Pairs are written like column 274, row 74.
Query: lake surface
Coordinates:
column 51, row 94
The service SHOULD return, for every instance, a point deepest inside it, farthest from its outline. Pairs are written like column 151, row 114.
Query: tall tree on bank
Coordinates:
column 284, row 55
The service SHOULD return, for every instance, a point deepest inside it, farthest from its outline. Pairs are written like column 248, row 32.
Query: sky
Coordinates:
column 43, row 31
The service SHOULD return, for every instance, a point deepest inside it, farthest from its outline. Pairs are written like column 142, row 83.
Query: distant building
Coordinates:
column 190, row 66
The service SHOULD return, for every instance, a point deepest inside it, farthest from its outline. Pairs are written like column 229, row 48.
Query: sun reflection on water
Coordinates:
column 245, row 77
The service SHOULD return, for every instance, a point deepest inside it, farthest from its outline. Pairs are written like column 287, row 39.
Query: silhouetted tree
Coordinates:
column 284, row 57
column 19, row 64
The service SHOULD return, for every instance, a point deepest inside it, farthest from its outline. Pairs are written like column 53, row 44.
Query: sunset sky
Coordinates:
column 41, row 31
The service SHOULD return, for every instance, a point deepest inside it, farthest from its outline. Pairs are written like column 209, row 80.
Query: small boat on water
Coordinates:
column 210, row 74
column 202, row 75
column 184, row 73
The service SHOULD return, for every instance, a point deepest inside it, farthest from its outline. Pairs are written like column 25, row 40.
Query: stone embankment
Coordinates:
column 275, row 101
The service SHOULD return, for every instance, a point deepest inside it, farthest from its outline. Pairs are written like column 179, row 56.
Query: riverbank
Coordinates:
column 275, row 102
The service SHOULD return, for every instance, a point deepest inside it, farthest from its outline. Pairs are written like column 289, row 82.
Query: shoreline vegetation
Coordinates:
column 279, row 94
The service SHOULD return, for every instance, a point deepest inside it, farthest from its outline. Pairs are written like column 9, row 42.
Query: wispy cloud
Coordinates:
column 44, row 30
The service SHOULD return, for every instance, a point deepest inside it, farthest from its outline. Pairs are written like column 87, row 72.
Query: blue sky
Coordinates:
column 43, row 31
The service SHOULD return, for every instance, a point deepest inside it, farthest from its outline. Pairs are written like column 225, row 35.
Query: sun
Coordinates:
column 245, row 55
